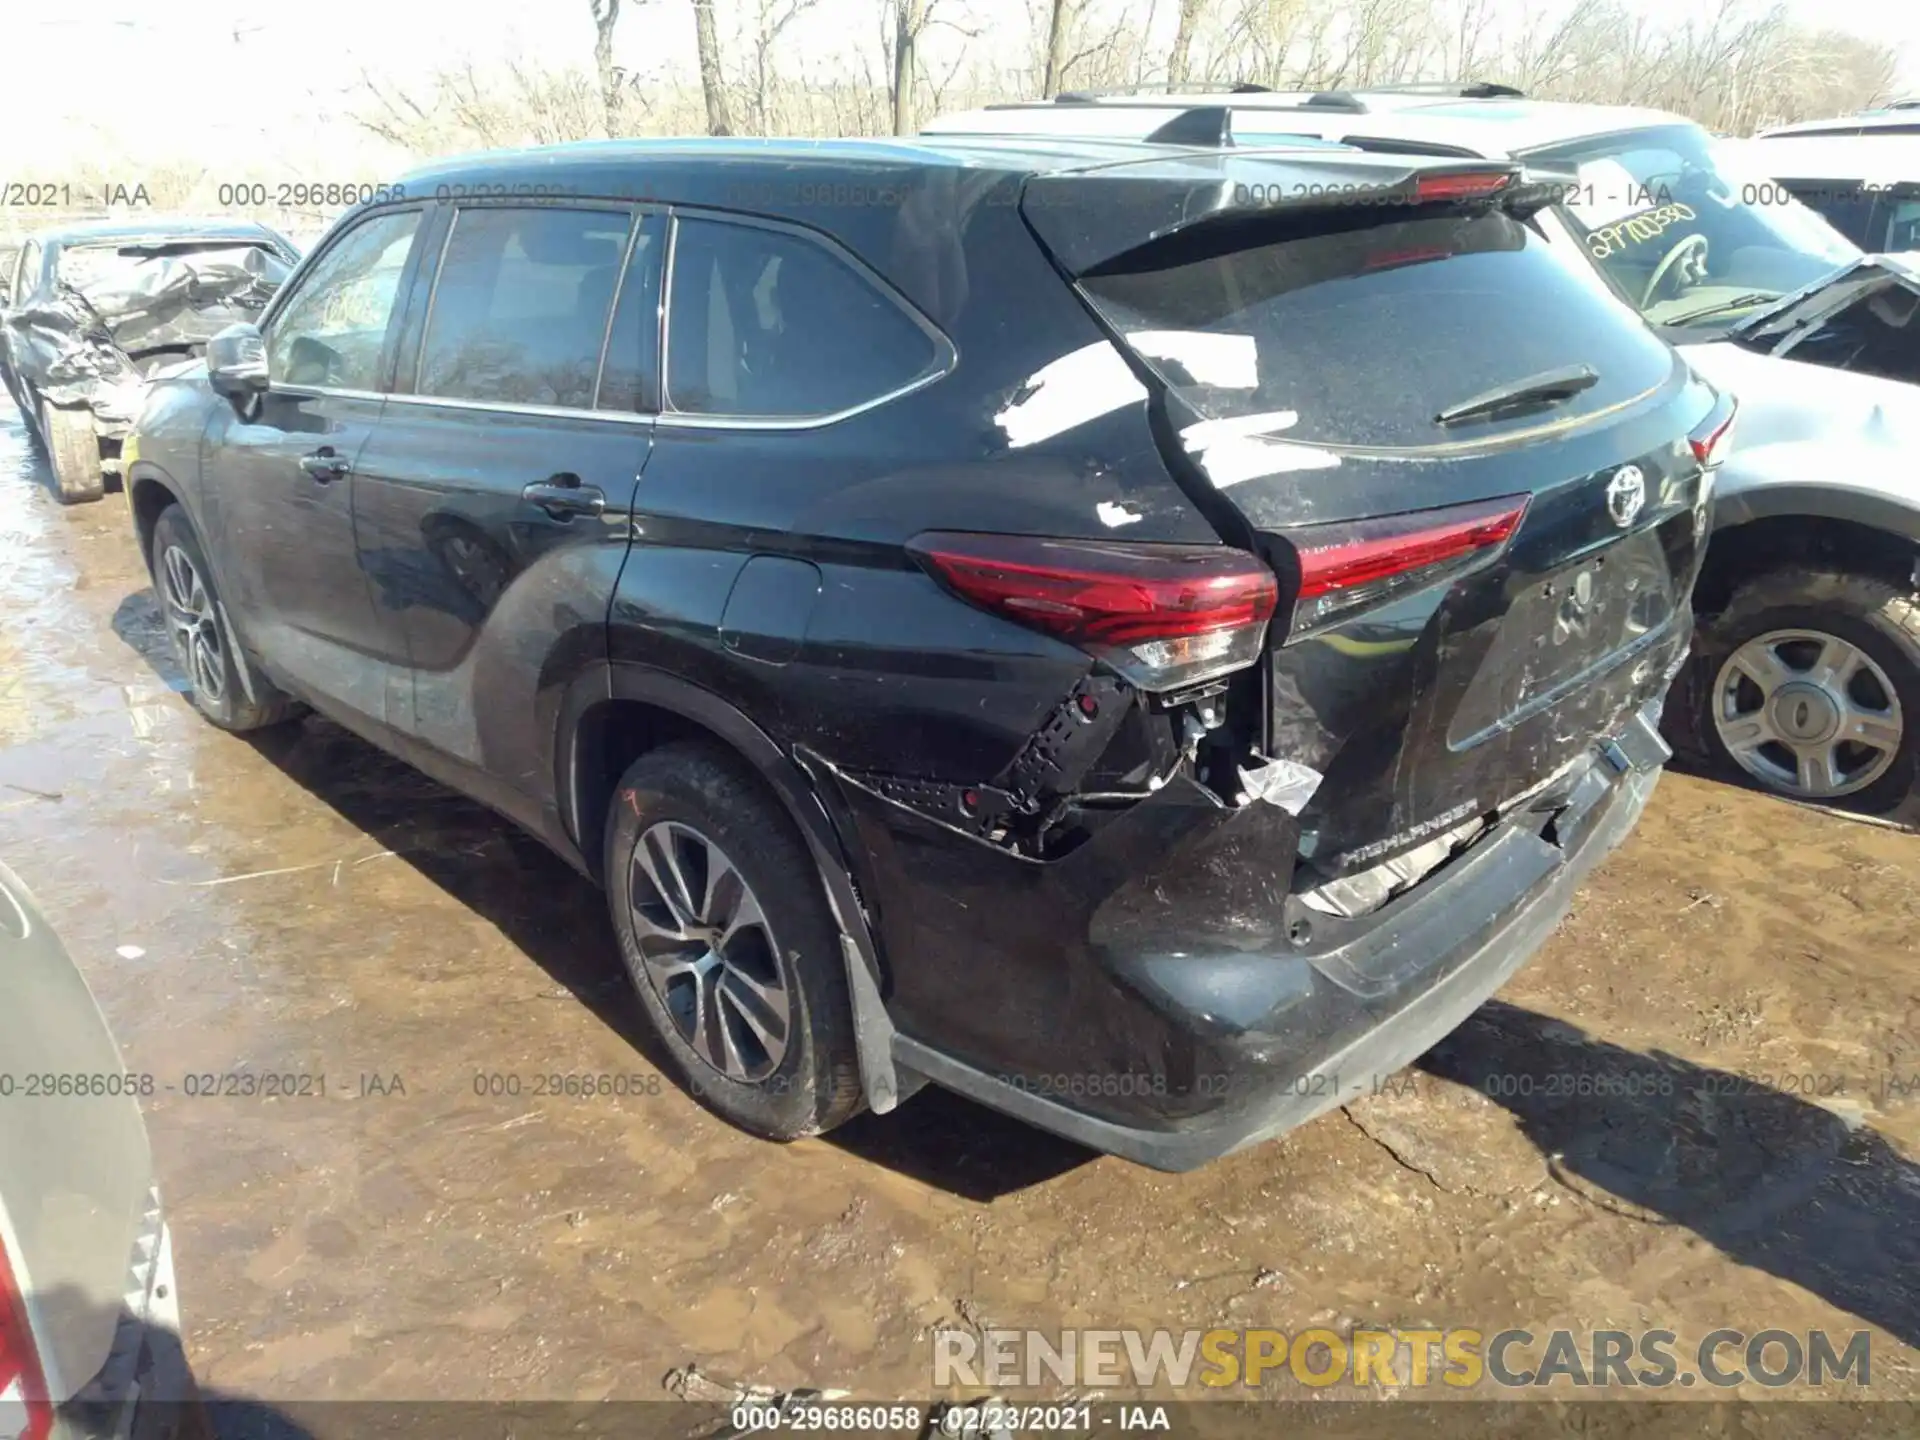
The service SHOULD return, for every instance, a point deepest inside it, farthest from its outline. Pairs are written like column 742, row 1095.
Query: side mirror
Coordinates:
column 237, row 362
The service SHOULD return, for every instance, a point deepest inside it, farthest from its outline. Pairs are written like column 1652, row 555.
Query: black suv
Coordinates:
column 1148, row 639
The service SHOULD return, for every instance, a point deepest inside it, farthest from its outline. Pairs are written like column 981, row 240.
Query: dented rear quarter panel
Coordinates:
column 885, row 671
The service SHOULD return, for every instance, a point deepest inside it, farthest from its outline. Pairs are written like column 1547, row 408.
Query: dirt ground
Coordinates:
column 306, row 905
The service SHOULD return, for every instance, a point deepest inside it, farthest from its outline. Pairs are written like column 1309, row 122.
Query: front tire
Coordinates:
column 727, row 939
column 1810, row 688
column 202, row 639
column 73, row 452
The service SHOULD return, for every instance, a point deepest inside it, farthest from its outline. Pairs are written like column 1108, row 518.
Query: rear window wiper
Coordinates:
column 1535, row 389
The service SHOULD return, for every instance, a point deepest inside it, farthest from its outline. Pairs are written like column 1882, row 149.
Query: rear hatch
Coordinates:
column 1469, row 463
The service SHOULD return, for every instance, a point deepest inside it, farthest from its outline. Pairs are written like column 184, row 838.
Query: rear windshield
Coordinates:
column 112, row 270
column 1360, row 328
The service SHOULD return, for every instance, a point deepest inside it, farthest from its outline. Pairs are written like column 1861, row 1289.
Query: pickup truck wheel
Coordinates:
column 727, row 938
column 1813, row 688
column 73, row 452
column 202, row 639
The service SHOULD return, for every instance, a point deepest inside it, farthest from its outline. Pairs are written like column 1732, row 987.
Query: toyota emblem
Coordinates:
column 1626, row 493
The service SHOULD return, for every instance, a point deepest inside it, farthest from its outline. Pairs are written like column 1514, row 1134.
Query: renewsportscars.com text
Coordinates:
column 1458, row 1358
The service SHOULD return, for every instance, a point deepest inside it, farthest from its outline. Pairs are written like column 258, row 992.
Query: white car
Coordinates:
column 89, row 1317
column 1865, row 181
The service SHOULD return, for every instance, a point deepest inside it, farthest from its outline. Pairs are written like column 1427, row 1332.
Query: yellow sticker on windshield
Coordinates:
column 1636, row 229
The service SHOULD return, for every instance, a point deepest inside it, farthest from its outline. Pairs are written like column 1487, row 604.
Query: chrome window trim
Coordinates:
column 505, row 407
column 498, row 407
column 613, row 307
column 641, row 214
column 946, row 355
column 633, row 215
column 433, row 297
column 328, row 392
column 667, row 261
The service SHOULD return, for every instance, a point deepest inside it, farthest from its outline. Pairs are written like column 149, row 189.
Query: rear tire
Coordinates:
column 728, row 941
column 1809, row 687
column 203, row 642
column 73, row 453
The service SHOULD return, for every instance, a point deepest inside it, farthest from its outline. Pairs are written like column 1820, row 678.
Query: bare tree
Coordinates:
column 1732, row 65
column 713, row 80
column 606, row 14
column 909, row 22
column 1178, row 59
column 771, row 18
column 1058, row 17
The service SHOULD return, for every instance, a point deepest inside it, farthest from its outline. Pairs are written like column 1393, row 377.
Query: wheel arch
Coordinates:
column 149, row 492
column 1868, row 535
column 613, row 713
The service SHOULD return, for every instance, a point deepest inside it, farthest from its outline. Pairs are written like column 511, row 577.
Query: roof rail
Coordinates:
column 1460, row 89
column 1083, row 97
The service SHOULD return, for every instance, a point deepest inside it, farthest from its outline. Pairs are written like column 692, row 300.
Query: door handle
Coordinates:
column 563, row 496
column 325, row 465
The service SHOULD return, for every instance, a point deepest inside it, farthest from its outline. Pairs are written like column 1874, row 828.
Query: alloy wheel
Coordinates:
column 708, row 952
column 1807, row 713
column 193, row 623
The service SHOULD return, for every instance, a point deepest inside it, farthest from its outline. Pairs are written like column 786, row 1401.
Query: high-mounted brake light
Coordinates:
column 1471, row 186
column 1712, row 437
column 24, row 1408
column 1162, row 615
column 1348, row 567
column 1392, row 259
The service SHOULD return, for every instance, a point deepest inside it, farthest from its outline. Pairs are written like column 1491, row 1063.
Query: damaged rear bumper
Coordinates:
column 1159, row 994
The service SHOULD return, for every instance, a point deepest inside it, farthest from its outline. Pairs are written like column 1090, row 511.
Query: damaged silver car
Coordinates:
column 90, row 313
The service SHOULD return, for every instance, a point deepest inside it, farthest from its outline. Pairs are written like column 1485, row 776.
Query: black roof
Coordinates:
column 702, row 170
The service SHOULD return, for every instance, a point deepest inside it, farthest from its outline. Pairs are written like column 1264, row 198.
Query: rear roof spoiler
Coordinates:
column 1089, row 218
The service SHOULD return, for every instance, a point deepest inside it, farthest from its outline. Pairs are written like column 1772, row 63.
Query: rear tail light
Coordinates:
column 1349, row 567
column 1712, row 438
column 24, row 1409
column 1162, row 615
column 1473, row 185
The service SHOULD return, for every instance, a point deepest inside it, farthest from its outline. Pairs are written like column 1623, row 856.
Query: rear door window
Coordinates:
column 769, row 324
column 333, row 327
column 630, row 379
column 521, row 305
column 1846, row 206
column 1902, row 226
column 1358, row 328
